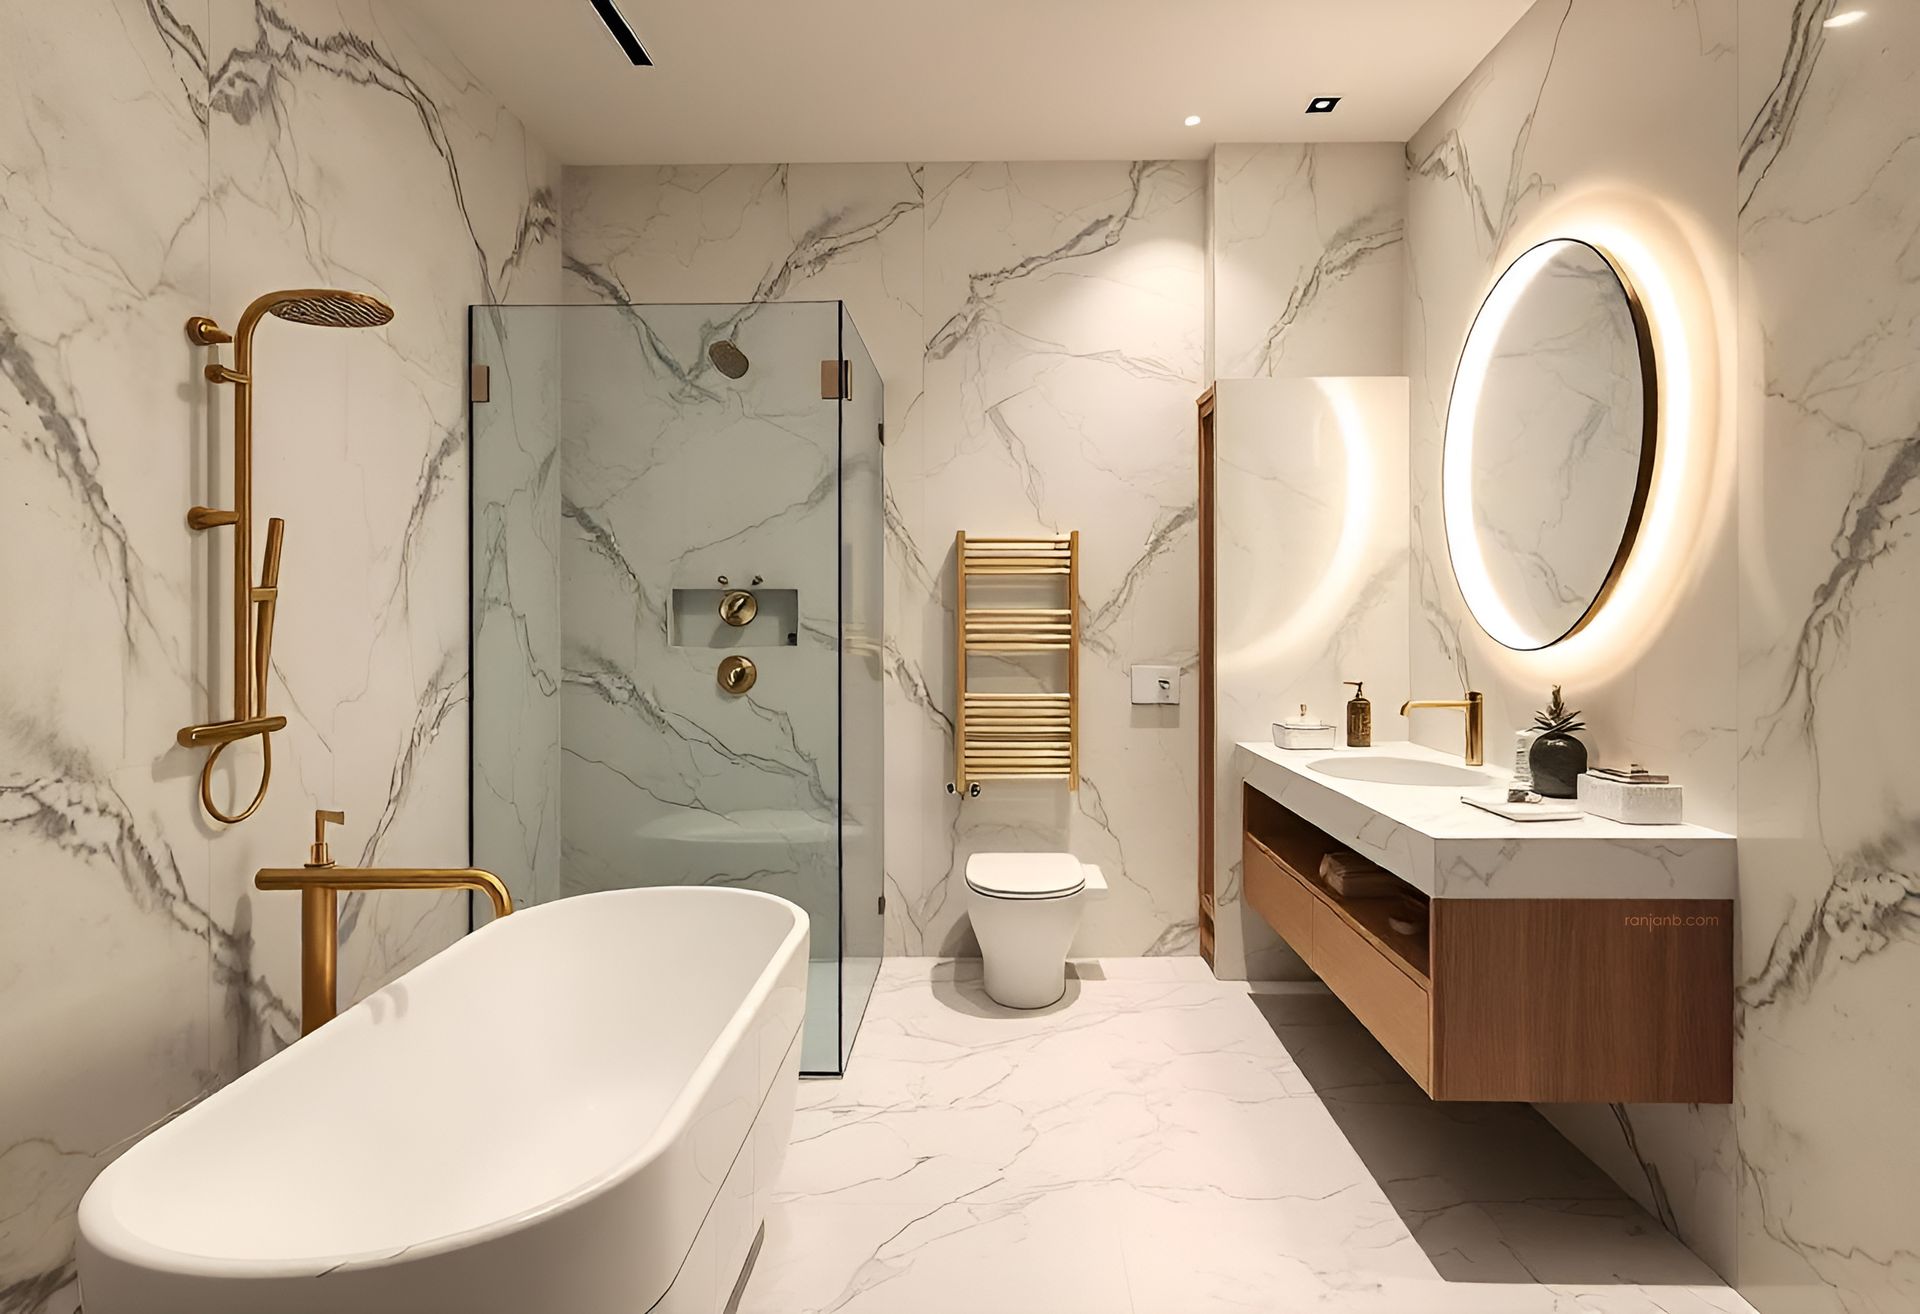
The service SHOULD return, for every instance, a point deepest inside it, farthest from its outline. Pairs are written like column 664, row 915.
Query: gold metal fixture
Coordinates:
column 737, row 674
column 1016, row 736
column 836, row 380
column 738, row 607
column 320, row 883
column 254, row 604
column 1474, row 705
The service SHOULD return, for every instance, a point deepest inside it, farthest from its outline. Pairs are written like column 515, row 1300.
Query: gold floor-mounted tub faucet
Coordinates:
column 320, row 883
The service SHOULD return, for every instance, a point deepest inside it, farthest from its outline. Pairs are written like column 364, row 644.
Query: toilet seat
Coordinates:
column 1025, row 875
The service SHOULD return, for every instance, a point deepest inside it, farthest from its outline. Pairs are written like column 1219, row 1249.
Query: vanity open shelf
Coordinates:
column 1552, row 990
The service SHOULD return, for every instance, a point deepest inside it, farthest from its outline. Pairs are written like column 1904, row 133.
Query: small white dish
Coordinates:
column 1302, row 736
column 1551, row 810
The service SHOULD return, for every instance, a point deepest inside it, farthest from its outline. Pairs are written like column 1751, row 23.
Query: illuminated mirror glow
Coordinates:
column 1549, row 450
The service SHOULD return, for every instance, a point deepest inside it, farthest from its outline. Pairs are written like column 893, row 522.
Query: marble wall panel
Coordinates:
column 1541, row 140
column 162, row 161
column 1829, row 202
column 1304, row 259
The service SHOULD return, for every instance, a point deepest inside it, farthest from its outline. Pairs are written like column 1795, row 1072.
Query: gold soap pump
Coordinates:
column 1359, row 717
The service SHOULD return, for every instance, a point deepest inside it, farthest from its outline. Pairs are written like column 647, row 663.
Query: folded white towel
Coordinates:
column 1356, row 877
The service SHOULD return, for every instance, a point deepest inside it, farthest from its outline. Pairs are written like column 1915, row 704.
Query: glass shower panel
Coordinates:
column 515, row 599
column 862, row 662
column 633, row 466
column 678, row 478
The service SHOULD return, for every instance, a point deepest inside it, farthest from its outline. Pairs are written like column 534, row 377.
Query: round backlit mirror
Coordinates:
column 1550, row 444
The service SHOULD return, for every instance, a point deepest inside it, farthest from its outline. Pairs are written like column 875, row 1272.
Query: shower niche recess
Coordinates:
column 724, row 617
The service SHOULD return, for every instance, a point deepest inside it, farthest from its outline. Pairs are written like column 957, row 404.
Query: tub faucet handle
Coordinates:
column 318, row 856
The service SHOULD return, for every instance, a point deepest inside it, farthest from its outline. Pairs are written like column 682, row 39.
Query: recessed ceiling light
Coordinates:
column 623, row 33
column 1322, row 104
column 1847, row 19
column 1192, row 120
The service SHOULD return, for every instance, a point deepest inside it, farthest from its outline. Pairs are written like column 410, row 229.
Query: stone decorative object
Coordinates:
column 1636, row 804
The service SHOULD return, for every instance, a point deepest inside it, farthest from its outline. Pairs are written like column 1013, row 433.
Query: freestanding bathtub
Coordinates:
column 581, row 1108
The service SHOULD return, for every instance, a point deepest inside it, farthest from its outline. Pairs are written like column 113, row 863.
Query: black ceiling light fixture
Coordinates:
column 1322, row 104
column 629, row 43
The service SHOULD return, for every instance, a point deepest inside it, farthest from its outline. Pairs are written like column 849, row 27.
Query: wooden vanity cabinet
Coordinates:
column 1543, row 1000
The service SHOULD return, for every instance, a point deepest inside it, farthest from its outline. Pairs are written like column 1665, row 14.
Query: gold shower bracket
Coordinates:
column 255, row 604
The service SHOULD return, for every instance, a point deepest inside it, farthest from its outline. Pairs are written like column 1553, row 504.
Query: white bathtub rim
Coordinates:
column 102, row 1229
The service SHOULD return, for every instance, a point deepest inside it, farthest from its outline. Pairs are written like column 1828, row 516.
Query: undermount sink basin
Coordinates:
column 1396, row 771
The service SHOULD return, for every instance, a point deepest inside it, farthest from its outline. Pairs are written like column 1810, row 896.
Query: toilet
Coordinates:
column 1025, row 908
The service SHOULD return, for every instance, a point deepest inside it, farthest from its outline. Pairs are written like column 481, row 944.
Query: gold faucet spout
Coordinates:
column 320, row 883
column 389, row 878
column 1474, row 705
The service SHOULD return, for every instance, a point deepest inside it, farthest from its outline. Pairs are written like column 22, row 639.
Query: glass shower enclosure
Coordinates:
column 676, row 593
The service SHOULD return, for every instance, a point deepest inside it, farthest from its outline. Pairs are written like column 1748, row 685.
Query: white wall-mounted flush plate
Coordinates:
column 1156, row 684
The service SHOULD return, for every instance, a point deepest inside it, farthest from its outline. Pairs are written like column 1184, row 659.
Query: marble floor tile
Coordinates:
column 1163, row 1143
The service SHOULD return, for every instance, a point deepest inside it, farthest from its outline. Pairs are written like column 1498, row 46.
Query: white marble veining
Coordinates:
column 1304, row 259
column 160, row 161
column 1444, row 848
column 1827, row 1064
column 1160, row 1141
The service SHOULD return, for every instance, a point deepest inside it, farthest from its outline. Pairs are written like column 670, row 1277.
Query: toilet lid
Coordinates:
column 1032, row 875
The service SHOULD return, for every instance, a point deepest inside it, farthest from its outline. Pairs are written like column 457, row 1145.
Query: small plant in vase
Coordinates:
column 1557, row 758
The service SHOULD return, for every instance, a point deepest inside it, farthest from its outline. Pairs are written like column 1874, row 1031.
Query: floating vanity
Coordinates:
column 1563, row 961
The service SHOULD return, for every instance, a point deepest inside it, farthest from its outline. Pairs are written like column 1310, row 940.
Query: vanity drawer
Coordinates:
column 1277, row 896
column 1388, row 1002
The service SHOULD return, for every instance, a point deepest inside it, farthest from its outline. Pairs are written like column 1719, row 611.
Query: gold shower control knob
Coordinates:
column 737, row 674
column 738, row 607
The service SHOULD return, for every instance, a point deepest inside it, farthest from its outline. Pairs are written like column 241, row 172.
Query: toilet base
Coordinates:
column 1023, row 946
column 1024, row 983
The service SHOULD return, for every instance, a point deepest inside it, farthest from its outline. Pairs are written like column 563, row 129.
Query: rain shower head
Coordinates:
column 329, row 308
column 727, row 358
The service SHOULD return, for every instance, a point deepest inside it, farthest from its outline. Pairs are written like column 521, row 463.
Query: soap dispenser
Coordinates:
column 1359, row 717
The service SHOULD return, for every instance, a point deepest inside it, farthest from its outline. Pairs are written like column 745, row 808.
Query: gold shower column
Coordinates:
column 254, row 605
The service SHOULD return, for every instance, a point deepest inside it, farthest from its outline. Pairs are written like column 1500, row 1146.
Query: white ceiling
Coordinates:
column 791, row 81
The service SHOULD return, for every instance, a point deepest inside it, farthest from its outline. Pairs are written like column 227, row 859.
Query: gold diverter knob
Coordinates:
column 738, row 607
column 737, row 674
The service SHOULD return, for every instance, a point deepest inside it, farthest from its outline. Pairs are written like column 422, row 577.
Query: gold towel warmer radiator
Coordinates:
column 254, row 604
column 1015, row 736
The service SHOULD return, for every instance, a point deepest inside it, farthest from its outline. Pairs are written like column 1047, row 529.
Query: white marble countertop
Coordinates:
column 1426, row 836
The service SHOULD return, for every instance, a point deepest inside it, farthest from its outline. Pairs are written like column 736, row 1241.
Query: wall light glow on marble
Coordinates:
column 1315, row 618
column 1192, row 120
column 1845, row 19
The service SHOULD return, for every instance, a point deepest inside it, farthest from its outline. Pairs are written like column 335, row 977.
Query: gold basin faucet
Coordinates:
column 320, row 883
column 1474, row 705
